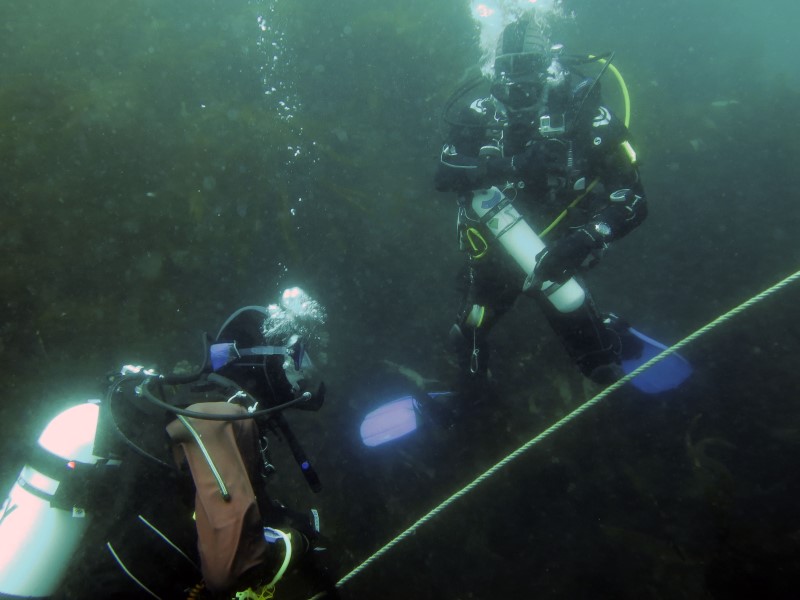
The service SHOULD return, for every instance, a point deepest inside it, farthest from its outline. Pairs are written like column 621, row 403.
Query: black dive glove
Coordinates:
column 560, row 261
column 540, row 158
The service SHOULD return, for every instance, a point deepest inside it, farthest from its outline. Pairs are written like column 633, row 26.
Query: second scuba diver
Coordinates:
column 109, row 489
column 541, row 152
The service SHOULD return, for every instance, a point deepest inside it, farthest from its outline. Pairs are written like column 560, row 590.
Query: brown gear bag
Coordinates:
column 230, row 534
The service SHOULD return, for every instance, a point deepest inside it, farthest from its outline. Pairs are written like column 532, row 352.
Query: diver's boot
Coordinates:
column 604, row 367
column 630, row 346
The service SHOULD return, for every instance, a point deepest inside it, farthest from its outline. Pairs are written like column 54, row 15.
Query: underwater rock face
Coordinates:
column 150, row 266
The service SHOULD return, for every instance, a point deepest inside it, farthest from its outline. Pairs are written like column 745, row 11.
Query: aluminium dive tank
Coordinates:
column 499, row 216
column 37, row 540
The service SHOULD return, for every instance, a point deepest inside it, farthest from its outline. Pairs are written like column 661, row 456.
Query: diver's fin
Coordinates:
column 389, row 422
column 665, row 375
column 397, row 418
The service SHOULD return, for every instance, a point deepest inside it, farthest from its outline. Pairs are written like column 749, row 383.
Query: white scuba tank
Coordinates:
column 37, row 541
column 496, row 212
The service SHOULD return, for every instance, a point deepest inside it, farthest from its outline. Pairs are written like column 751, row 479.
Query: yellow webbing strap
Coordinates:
column 477, row 242
column 266, row 593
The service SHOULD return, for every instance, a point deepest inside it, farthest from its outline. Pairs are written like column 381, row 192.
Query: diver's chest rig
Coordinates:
column 488, row 216
column 561, row 188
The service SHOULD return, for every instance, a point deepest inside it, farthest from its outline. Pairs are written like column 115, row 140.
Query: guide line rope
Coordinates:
column 411, row 530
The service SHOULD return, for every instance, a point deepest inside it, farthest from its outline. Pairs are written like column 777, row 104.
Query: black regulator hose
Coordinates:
column 110, row 394
column 455, row 97
column 150, row 397
column 299, row 454
column 608, row 57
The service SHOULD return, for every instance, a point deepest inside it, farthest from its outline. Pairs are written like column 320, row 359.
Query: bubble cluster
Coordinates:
column 492, row 16
column 296, row 313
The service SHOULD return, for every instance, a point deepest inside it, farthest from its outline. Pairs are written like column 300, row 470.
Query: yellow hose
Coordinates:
column 624, row 88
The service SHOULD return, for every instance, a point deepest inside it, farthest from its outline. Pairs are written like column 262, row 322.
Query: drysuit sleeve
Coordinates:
column 622, row 204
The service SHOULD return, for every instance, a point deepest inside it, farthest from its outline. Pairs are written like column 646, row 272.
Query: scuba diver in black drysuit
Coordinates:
column 159, row 490
column 543, row 140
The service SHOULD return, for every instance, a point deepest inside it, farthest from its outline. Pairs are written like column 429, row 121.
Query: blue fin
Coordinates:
column 665, row 375
column 395, row 419
column 389, row 422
